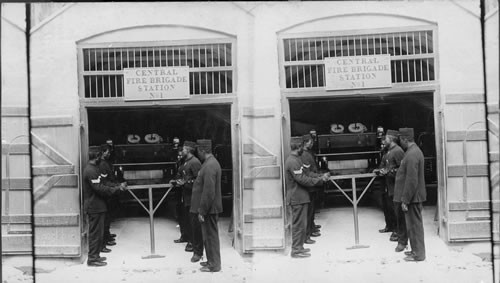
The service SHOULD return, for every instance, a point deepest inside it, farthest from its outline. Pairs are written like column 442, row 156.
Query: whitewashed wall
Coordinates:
column 16, row 187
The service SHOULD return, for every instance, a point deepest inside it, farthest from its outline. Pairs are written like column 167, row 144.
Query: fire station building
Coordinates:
column 251, row 77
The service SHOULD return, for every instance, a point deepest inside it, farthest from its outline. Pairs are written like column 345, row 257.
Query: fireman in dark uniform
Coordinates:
column 410, row 180
column 388, row 167
column 298, row 181
column 206, row 201
column 179, row 207
column 383, row 152
column 309, row 160
column 108, row 179
column 402, row 232
column 187, row 174
column 174, row 154
column 94, row 194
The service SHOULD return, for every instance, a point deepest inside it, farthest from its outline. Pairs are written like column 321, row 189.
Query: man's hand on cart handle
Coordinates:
column 201, row 218
column 404, row 207
column 325, row 176
column 123, row 186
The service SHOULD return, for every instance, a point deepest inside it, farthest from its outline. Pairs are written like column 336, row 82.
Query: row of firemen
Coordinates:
column 405, row 193
column 190, row 173
column 201, row 194
column 402, row 167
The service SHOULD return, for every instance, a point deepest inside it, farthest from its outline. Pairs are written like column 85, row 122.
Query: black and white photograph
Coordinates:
column 241, row 142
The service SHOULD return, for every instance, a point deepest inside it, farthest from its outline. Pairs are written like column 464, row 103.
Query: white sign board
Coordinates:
column 373, row 71
column 156, row 83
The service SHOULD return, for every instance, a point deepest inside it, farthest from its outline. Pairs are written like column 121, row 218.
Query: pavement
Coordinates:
column 331, row 261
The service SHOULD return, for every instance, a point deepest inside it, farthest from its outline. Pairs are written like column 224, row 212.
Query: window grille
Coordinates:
column 210, row 72
column 412, row 56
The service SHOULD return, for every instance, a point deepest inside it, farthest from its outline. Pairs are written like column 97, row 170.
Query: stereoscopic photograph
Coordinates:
column 242, row 142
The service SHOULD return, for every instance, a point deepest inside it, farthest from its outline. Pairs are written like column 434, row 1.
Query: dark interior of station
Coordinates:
column 356, row 153
column 155, row 162
column 213, row 122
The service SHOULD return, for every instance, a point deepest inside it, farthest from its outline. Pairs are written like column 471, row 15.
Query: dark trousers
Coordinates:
column 299, row 226
column 107, row 226
column 389, row 213
column 111, row 204
column 310, row 213
column 185, row 223
column 179, row 212
column 401, row 224
column 210, row 232
column 197, row 235
column 105, row 230
column 415, row 228
column 96, row 234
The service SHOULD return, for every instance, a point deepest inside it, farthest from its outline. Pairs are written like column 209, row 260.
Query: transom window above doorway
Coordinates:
column 412, row 56
column 210, row 67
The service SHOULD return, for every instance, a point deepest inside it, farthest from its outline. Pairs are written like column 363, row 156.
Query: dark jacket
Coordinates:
column 299, row 181
column 206, row 197
column 94, row 191
column 391, row 162
column 107, row 174
column 410, row 183
column 309, row 159
column 188, row 172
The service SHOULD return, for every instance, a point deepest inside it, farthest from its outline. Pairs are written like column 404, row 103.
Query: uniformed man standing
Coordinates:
column 410, row 178
column 182, row 217
column 388, row 167
column 207, row 202
column 383, row 152
column 187, row 175
column 108, row 179
column 309, row 160
column 298, row 181
column 95, row 193
column 402, row 232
